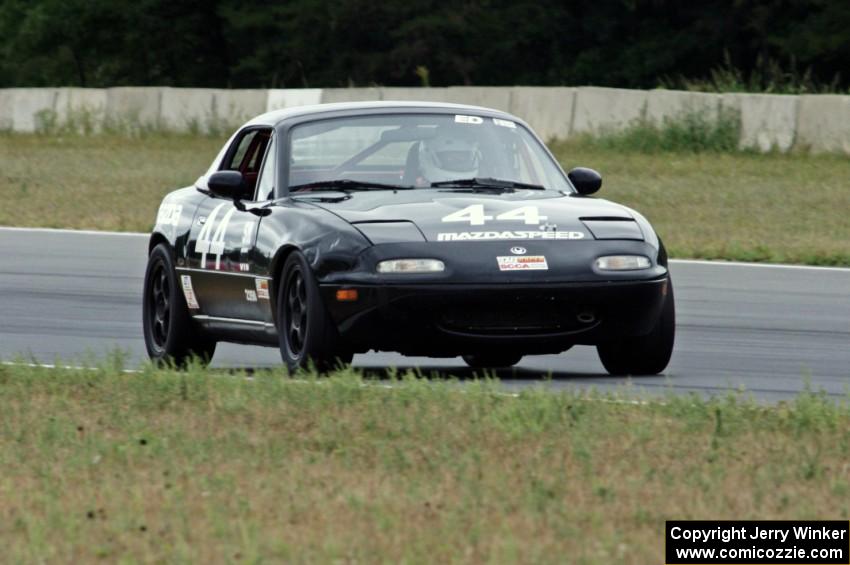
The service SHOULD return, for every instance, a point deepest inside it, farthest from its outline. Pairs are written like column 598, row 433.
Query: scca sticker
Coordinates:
column 529, row 263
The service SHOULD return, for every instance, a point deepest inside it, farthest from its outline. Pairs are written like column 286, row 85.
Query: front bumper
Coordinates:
column 456, row 319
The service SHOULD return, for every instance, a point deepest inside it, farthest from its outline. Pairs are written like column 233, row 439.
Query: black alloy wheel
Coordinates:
column 307, row 335
column 296, row 312
column 171, row 336
column 160, row 305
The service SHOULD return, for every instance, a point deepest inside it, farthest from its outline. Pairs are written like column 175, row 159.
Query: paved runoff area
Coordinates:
column 770, row 330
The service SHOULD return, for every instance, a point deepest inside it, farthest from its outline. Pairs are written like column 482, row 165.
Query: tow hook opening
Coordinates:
column 586, row 317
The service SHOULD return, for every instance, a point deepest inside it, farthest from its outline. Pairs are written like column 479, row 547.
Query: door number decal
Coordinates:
column 213, row 245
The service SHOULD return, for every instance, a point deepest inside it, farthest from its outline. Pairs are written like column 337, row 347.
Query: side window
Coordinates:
column 265, row 189
column 247, row 157
column 245, row 143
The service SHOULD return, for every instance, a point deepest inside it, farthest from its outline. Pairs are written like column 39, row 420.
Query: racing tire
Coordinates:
column 492, row 360
column 306, row 333
column 643, row 355
column 171, row 336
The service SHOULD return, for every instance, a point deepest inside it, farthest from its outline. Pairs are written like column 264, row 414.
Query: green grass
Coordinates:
column 731, row 205
column 689, row 133
column 705, row 200
column 199, row 467
column 104, row 182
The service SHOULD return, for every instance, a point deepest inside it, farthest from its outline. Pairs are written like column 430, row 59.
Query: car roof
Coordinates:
column 274, row 117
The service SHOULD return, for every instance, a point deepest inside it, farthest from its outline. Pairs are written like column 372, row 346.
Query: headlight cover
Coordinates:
column 411, row 266
column 613, row 229
column 623, row 263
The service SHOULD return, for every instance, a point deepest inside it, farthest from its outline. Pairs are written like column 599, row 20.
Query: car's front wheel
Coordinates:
column 171, row 336
column 643, row 355
column 307, row 335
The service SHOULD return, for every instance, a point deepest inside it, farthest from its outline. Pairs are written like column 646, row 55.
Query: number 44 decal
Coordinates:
column 215, row 244
column 476, row 217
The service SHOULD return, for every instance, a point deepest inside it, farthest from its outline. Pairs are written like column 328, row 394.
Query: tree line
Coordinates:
column 337, row 43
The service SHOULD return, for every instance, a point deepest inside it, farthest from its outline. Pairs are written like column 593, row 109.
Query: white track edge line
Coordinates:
column 75, row 232
column 759, row 265
column 674, row 261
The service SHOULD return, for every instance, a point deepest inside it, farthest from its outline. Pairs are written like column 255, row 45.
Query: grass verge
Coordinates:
column 705, row 201
column 728, row 205
column 191, row 467
column 103, row 182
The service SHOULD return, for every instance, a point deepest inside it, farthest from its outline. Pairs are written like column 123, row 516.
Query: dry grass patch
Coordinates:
column 717, row 205
column 738, row 206
column 193, row 467
column 108, row 182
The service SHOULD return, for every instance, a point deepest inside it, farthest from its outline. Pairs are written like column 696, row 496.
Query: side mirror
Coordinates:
column 226, row 184
column 586, row 181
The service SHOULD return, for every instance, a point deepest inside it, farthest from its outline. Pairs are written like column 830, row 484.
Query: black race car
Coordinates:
column 428, row 229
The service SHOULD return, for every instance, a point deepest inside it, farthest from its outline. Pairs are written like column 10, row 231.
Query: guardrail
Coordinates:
column 819, row 123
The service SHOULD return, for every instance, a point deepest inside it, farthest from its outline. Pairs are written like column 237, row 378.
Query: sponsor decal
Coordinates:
column 250, row 295
column 518, row 250
column 469, row 120
column 504, row 123
column 262, row 288
column 508, row 235
column 189, row 292
column 169, row 214
column 529, row 263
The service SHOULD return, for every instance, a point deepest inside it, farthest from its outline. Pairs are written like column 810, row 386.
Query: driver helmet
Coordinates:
column 445, row 157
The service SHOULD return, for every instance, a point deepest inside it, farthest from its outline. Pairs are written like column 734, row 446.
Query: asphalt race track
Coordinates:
column 771, row 330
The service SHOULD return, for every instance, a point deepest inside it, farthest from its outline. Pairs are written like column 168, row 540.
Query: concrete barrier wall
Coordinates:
column 7, row 108
column 32, row 108
column 605, row 110
column 331, row 95
column 234, row 107
column 768, row 122
column 133, row 106
column 549, row 110
column 415, row 94
column 287, row 98
column 823, row 123
column 186, row 109
column 81, row 108
column 667, row 105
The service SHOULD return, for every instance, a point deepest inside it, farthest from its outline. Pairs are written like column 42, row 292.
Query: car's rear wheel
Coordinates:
column 643, row 355
column 171, row 336
column 492, row 360
column 307, row 335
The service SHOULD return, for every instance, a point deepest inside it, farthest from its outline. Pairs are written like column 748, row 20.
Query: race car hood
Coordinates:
column 455, row 215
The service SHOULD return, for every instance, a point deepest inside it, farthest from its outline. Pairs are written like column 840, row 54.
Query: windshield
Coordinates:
column 416, row 150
